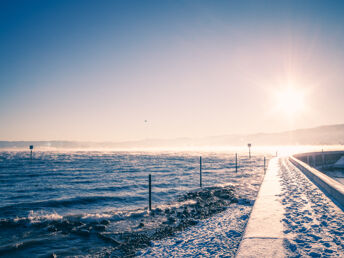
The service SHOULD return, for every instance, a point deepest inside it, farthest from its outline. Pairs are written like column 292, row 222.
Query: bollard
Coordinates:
column 200, row 171
column 236, row 162
column 150, row 192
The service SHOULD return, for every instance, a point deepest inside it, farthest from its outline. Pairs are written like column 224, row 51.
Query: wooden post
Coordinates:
column 200, row 171
column 236, row 162
column 150, row 192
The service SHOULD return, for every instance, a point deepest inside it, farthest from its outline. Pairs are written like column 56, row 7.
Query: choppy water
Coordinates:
column 42, row 201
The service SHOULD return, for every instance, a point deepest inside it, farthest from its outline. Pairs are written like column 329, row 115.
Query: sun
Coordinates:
column 290, row 101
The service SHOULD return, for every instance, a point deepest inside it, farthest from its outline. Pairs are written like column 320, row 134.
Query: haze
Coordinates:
column 131, row 70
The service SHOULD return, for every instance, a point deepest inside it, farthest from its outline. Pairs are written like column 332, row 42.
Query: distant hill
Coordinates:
column 322, row 135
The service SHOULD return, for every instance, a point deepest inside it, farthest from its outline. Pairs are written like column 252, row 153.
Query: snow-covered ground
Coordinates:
column 314, row 225
column 311, row 224
column 219, row 235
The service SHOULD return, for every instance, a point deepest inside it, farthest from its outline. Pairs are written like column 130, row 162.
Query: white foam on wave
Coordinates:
column 96, row 216
column 36, row 217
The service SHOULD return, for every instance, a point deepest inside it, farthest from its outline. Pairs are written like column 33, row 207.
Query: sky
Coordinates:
column 131, row 70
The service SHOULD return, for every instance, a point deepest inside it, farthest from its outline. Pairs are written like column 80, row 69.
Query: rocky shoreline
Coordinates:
column 195, row 206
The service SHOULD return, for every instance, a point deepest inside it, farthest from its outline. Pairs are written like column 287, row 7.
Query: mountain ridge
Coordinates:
column 320, row 135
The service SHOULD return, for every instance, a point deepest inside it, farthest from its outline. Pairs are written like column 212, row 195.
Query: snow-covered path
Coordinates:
column 304, row 223
column 263, row 235
column 313, row 224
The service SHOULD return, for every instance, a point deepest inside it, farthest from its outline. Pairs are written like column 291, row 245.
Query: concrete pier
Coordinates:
column 263, row 236
column 290, row 200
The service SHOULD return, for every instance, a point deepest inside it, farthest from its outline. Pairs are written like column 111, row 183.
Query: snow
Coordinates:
column 218, row 235
column 264, row 233
column 313, row 224
column 291, row 218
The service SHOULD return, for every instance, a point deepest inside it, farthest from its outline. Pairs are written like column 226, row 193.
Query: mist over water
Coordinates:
column 76, row 187
column 89, row 182
column 47, row 204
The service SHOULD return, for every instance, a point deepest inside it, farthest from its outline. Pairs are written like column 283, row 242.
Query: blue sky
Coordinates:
column 96, row 70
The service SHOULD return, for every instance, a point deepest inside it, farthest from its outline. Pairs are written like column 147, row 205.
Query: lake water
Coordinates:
column 43, row 200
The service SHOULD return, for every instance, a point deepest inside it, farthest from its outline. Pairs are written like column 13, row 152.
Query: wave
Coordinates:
column 87, row 198
column 41, row 216
column 21, row 245
column 140, row 226
column 67, row 202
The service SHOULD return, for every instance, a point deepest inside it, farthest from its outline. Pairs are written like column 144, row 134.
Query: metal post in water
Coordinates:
column 264, row 164
column 200, row 171
column 31, row 148
column 150, row 192
column 249, row 150
column 236, row 162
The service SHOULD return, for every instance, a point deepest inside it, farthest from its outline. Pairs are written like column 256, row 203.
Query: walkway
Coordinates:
column 264, row 233
column 292, row 217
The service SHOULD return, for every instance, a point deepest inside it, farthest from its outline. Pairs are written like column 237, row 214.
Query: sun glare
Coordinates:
column 290, row 101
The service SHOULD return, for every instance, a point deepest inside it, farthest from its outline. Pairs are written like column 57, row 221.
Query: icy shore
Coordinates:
column 218, row 235
column 158, row 224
